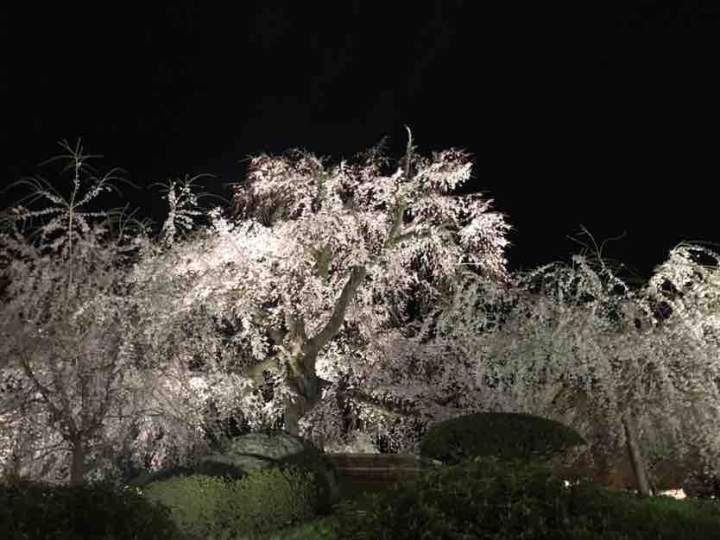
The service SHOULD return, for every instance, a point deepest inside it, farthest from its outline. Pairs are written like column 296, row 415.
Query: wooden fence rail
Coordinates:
column 376, row 466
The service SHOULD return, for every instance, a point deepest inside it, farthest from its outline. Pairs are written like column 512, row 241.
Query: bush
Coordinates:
column 453, row 501
column 704, row 485
column 503, row 435
column 319, row 529
column 276, row 449
column 30, row 511
column 270, row 499
column 192, row 501
column 495, row 499
column 262, row 501
column 627, row 515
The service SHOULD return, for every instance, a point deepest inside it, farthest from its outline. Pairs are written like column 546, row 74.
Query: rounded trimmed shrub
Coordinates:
column 501, row 499
column 503, row 435
column 101, row 511
column 262, row 501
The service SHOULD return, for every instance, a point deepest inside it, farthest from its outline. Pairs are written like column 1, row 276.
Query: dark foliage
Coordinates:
column 503, row 435
column 501, row 499
column 35, row 511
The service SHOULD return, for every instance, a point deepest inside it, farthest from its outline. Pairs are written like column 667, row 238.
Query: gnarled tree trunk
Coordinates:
column 302, row 378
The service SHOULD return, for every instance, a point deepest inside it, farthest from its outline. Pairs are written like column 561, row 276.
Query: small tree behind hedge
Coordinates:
column 68, row 384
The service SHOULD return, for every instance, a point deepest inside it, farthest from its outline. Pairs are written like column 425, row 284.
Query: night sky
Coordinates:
column 607, row 118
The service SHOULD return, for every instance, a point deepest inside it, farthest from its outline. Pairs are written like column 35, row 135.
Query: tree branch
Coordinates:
column 396, row 224
column 45, row 393
column 313, row 346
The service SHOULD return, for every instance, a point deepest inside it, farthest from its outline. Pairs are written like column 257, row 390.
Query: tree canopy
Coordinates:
column 356, row 299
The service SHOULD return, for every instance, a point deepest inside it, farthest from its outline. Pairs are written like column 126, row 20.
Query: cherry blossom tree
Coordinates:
column 575, row 343
column 685, row 293
column 70, row 387
column 347, row 303
column 316, row 280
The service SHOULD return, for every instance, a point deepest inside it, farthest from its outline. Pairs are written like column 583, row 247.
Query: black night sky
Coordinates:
column 607, row 117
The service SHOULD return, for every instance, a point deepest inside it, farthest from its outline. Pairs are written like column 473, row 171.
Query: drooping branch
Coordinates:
column 385, row 405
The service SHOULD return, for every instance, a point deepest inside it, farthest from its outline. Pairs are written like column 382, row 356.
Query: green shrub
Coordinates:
column 453, row 501
column 264, row 500
column 657, row 518
column 36, row 511
column 495, row 499
column 192, row 501
column 314, row 461
column 276, row 449
column 270, row 499
column 503, row 435
column 319, row 529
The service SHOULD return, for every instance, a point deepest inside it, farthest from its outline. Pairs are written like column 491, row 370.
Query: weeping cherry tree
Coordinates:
column 308, row 287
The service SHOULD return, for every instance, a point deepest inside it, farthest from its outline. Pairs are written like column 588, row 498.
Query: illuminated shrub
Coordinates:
column 262, row 501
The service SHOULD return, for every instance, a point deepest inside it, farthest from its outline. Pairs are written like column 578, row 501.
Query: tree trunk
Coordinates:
column 291, row 418
column 632, row 440
column 302, row 377
column 307, row 391
column 77, row 466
